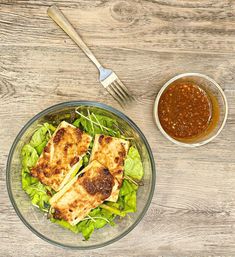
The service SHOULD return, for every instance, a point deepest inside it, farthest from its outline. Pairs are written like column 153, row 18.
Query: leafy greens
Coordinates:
column 41, row 137
column 38, row 193
column 97, row 124
column 133, row 164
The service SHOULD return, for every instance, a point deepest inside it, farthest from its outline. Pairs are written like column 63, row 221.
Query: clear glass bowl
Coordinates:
column 215, row 93
column 37, row 222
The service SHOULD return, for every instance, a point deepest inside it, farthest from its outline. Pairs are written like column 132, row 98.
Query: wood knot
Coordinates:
column 124, row 11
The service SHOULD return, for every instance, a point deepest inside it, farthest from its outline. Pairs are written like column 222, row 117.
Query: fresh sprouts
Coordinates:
column 89, row 115
column 94, row 218
column 94, row 122
column 97, row 121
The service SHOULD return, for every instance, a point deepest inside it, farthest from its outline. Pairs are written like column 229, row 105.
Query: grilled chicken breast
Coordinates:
column 60, row 157
column 83, row 193
column 111, row 152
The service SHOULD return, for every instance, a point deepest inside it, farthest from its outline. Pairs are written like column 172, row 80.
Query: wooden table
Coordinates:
column 146, row 43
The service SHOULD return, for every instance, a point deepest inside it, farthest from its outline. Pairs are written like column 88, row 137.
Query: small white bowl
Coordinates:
column 214, row 89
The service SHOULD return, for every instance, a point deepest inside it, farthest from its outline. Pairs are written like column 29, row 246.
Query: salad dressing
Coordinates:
column 186, row 111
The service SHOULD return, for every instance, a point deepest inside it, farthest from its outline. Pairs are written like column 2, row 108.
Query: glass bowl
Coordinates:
column 219, row 103
column 37, row 222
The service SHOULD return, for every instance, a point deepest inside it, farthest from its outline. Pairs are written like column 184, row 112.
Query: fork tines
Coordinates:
column 117, row 89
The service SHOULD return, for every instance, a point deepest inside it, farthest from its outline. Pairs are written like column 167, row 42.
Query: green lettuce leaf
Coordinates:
column 87, row 229
column 41, row 137
column 127, row 188
column 127, row 197
column 38, row 193
column 133, row 165
column 130, row 202
column 99, row 218
column 29, row 156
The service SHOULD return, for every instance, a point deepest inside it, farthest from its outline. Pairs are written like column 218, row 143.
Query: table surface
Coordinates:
column 146, row 42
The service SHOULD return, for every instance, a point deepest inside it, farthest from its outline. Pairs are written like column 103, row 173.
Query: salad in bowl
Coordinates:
column 86, row 172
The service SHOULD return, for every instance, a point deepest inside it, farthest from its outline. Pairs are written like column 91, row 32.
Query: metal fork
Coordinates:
column 108, row 78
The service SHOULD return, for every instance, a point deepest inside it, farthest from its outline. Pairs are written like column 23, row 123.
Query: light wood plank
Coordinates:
column 146, row 43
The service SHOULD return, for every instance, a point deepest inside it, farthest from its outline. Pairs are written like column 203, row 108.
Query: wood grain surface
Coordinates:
column 146, row 42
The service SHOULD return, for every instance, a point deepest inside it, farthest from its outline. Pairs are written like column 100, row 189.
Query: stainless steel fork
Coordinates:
column 108, row 78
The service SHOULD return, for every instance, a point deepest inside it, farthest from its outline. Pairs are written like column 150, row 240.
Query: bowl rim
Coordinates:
column 156, row 103
column 75, row 104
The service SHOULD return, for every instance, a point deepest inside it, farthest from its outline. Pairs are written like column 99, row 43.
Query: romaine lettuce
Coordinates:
column 133, row 164
column 29, row 156
column 38, row 193
column 41, row 137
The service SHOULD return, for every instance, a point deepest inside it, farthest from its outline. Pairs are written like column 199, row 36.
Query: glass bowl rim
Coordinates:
column 74, row 104
column 155, row 109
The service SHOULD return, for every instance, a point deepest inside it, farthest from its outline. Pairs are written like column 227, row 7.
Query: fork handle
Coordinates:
column 58, row 17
